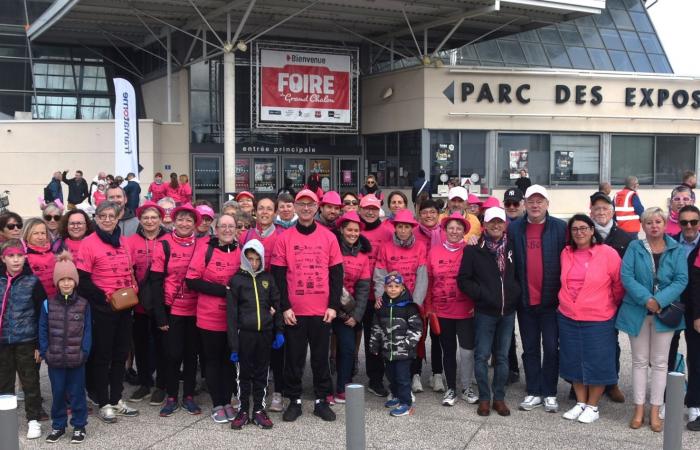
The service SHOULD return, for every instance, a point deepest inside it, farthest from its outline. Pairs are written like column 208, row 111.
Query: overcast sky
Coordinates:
column 676, row 22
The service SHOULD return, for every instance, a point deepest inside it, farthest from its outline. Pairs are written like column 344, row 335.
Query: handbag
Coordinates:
column 125, row 298
column 673, row 314
column 347, row 305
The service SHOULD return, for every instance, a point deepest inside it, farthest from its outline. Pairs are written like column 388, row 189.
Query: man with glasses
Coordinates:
column 608, row 233
column 513, row 204
column 308, row 268
column 128, row 222
column 538, row 240
column 168, row 205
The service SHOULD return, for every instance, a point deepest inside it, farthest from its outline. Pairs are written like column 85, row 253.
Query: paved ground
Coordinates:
column 432, row 427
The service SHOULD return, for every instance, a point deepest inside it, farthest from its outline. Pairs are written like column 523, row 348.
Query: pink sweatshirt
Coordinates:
column 447, row 300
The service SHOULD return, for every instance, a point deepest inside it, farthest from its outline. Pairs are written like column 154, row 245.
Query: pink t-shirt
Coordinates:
column 355, row 268
column 173, row 193
column 110, row 267
column 376, row 237
column 42, row 265
column 182, row 300
column 577, row 273
column 211, row 310
column 73, row 247
column 157, row 191
column 267, row 242
column 307, row 259
column 447, row 300
column 185, row 193
column 535, row 271
column 141, row 250
column 405, row 261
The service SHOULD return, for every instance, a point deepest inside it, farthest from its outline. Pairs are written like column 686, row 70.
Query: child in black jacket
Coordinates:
column 396, row 330
column 254, row 325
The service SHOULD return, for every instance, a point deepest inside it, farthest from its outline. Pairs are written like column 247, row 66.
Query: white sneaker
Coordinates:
column 277, row 404
column 531, row 402
column 33, row 429
column 574, row 412
column 416, row 385
column 107, row 414
column 437, row 383
column 122, row 409
column 662, row 412
column 589, row 415
column 551, row 404
column 450, row 398
column 469, row 395
column 693, row 413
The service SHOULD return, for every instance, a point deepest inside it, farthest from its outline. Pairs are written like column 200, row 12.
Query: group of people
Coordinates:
column 170, row 288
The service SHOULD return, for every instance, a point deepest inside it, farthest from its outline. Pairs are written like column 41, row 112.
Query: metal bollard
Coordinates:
column 9, row 424
column 355, row 417
column 673, row 423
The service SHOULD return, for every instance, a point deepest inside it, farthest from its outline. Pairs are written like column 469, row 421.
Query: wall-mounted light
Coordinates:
column 241, row 45
column 386, row 93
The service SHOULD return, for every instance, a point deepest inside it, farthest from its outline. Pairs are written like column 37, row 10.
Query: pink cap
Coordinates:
column 147, row 205
column 350, row 216
column 474, row 200
column 458, row 217
column 187, row 207
column 370, row 201
column 404, row 216
column 306, row 193
column 244, row 194
column 204, row 210
column 491, row 202
column 331, row 198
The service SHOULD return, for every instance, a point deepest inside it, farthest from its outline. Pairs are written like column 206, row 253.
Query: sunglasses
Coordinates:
column 685, row 223
column 54, row 218
column 370, row 183
column 12, row 226
column 242, row 227
column 511, row 204
column 682, row 199
column 350, row 202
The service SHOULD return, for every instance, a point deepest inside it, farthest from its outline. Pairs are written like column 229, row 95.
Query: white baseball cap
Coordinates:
column 536, row 189
column 458, row 191
column 494, row 213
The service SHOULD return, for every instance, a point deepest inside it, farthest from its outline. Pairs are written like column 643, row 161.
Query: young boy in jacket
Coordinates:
column 396, row 330
column 254, row 325
column 22, row 294
column 65, row 337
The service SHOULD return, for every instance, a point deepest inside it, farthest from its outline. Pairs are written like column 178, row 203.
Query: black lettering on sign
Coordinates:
column 467, row 90
column 562, row 94
column 696, row 100
column 646, row 97
column 519, row 93
column 629, row 96
column 661, row 96
column 485, row 93
column 504, row 93
column 680, row 98
column 580, row 94
column 596, row 96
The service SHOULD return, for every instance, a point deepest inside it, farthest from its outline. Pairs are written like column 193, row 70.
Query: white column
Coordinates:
column 229, row 123
column 169, row 76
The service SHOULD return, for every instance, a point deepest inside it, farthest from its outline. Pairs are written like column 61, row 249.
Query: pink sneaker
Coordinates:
column 330, row 399
column 340, row 397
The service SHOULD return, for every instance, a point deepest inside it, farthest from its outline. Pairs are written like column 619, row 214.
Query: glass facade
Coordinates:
column 393, row 158
column 653, row 159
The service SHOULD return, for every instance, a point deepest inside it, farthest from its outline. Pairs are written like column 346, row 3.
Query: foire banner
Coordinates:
column 126, row 155
column 305, row 87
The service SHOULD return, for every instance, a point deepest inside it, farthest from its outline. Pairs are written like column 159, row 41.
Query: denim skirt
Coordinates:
column 587, row 351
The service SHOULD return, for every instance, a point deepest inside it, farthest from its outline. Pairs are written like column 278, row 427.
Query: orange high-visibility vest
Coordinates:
column 626, row 218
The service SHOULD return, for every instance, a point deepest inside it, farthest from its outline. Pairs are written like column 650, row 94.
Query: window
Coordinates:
column 93, row 108
column 523, row 151
column 579, row 58
column 600, row 58
column 621, row 61
column 557, row 55
column 512, row 53
column 534, row 53
column 410, row 146
column 575, row 159
column 674, row 155
column 632, row 155
column 472, row 154
column 444, row 155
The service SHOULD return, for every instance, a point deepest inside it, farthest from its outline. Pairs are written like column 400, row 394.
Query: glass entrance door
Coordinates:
column 322, row 167
column 294, row 174
column 207, row 178
column 348, row 175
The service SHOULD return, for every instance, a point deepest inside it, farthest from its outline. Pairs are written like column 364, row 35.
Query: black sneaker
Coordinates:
column 322, row 410
column 694, row 425
column 131, row 377
column 140, row 393
column 293, row 411
column 157, row 397
column 378, row 389
column 78, row 436
column 513, row 376
column 55, row 435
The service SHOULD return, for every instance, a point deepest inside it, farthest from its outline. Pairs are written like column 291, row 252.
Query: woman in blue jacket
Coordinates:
column 654, row 273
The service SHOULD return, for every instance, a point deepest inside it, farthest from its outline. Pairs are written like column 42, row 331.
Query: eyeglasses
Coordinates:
column 54, row 218
column 242, row 227
column 370, row 183
column 227, row 227
column 601, row 209
column 692, row 223
column 577, row 230
column 76, row 224
column 107, row 217
column 305, row 205
column 12, row 226
column 682, row 199
column 351, row 202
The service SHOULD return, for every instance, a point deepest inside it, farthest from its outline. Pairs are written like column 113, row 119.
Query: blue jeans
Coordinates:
column 539, row 333
column 399, row 374
column 493, row 333
column 68, row 383
column 345, row 353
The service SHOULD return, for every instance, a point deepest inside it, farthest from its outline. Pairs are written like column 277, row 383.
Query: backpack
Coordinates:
column 48, row 195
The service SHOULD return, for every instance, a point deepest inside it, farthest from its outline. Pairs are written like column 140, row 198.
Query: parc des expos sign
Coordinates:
column 306, row 88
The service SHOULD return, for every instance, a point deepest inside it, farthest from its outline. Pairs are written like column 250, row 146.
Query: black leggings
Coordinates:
column 450, row 331
column 181, row 349
column 219, row 370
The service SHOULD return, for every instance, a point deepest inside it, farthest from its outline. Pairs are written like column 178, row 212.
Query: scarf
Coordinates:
column 435, row 234
column 371, row 190
column 322, row 220
column 497, row 249
column 267, row 232
column 184, row 241
column 39, row 248
column 286, row 224
column 369, row 226
column 349, row 250
column 408, row 243
column 673, row 217
column 454, row 247
column 604, row 231
column 110, row 239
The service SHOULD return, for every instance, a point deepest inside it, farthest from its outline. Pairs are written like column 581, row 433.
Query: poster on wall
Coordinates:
column 563, row 165
column 265, row 175
column 305, row 87
column 323, row 168
column 517, row 162
column 242, row 175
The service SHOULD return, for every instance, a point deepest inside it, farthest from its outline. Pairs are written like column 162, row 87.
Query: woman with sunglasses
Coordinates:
column 351, row 202
column 372, row 187
column 72, row 229
column 39, row 255
column 244, row 222
column 10, row 226
column 680, row 196
column 52, row 216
